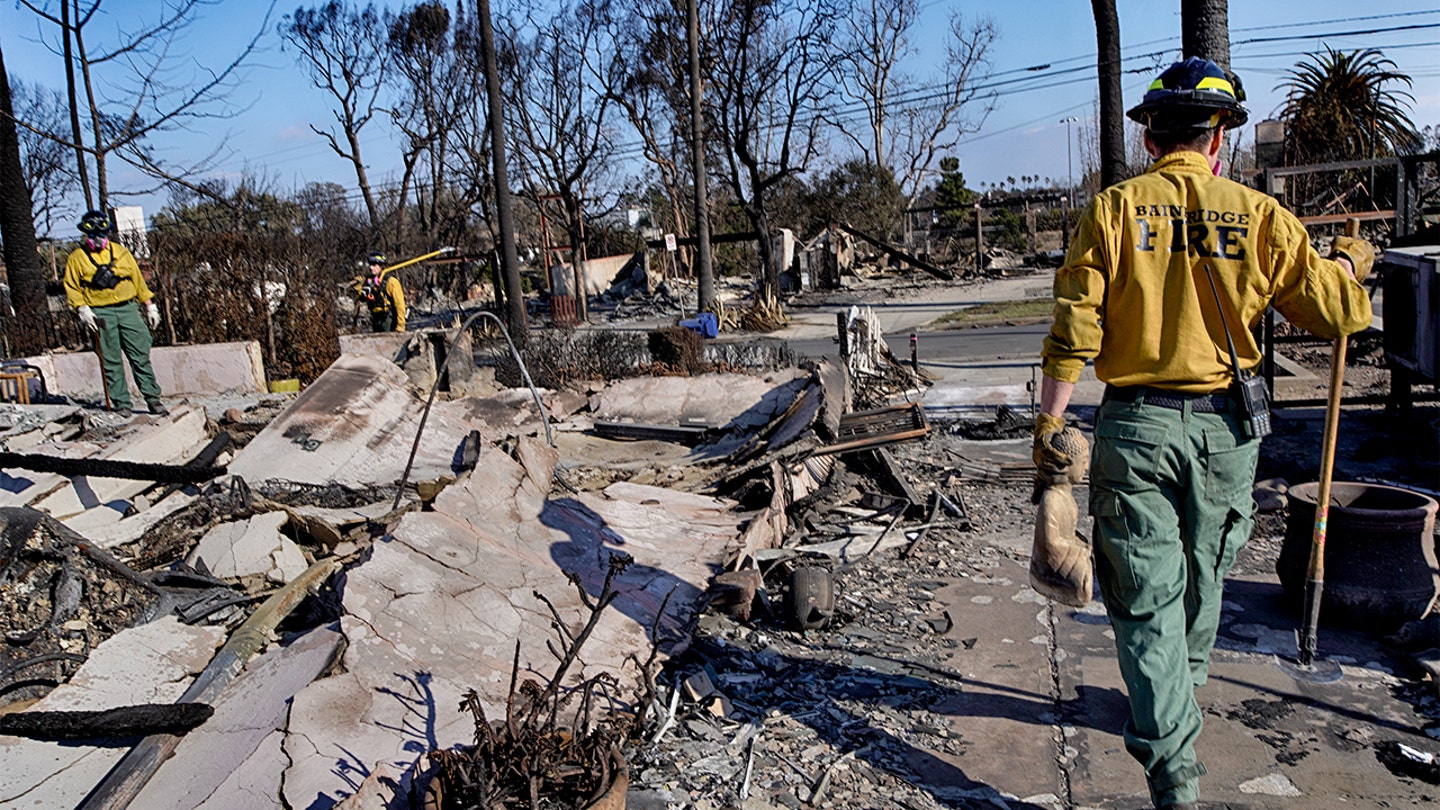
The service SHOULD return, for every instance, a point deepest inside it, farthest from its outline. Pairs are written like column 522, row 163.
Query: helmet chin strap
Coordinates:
column 96, row 243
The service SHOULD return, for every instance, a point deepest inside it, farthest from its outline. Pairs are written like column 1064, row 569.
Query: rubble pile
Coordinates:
column 783, row 588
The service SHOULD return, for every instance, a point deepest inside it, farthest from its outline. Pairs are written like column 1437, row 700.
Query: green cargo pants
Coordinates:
column 122, row 329
column 1170, row 494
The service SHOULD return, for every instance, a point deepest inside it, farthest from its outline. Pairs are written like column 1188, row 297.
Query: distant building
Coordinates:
column 130, row 227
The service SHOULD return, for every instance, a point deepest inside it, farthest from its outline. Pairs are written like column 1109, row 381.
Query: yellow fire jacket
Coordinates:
column 1133, row 294
column 383, row 293
column 80, row 269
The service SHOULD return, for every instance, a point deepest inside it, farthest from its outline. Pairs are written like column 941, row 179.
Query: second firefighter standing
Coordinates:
column 104, row 285
column 380, row 293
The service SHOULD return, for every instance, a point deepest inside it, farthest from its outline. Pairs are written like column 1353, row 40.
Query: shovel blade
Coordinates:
column 1319, row 671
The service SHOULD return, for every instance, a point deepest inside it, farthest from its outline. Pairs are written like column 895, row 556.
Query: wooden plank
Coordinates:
column 1337, row 219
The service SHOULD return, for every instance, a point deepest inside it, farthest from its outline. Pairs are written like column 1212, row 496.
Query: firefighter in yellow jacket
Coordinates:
column 1175, row 448
column 104, row 285
column 380, row 292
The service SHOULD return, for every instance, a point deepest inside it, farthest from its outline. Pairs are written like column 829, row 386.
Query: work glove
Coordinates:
column 1060, row 564
column 87, row 318
column 152, row 315
column 1360, row 253
column 1047, row 456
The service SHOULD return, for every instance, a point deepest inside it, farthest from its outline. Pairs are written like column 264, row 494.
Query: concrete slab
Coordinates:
column 1005, row 713
column 151, row 663
column 440, row 604
column 1269, row 742
column 734, row 400
column 248, row 547
column 333, row 431
column 107, row 534
column 255, row 783
column 174, row 439
column 205, row 370
column 247, row 713
column 385, row 345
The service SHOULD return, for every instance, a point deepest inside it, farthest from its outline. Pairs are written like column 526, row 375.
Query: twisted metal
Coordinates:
column 435, row 386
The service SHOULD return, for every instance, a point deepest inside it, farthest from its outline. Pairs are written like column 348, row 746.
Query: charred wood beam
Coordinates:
column 110, row 468
column 680, row 434
column 122, row 721
column 900, row 254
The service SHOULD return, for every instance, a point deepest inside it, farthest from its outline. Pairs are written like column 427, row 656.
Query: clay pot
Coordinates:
column 1380, row 566
column 614, row 796
column 431, row 796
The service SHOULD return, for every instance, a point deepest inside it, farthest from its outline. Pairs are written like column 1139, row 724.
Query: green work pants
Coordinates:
column 382, row 320
column 1171, row 503
column 122, row 329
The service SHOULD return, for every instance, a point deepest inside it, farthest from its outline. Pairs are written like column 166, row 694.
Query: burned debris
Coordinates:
column 679, row 573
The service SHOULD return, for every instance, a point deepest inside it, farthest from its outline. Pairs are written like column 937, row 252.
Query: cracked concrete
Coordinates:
column 439, row 605
column 243, row 730
column 151, row 663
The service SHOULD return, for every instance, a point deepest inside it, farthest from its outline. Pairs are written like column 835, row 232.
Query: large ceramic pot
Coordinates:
column 430, row 789
column 1380, row 567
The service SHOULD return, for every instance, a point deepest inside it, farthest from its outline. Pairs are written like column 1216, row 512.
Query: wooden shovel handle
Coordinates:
column 1332, row 431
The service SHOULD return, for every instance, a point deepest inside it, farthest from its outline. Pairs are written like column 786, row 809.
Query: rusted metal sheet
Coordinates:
column 875, row 428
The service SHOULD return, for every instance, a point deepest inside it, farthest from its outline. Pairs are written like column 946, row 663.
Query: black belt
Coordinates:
column 1174, row 400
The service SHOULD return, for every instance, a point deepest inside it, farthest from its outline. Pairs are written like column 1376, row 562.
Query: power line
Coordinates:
column 1012, row 81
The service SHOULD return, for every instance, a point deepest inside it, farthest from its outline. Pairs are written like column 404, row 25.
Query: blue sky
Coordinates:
column 1023, row 136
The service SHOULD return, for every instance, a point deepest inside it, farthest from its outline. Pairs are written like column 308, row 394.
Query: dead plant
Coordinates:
column 553, row 748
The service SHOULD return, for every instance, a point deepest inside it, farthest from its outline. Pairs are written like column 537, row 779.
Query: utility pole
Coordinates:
column 1205, row 30
column 1069, row 185
column 509, row 259
column 706, row 269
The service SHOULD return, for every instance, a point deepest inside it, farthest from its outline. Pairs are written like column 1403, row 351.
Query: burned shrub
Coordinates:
column 678, row 348
column 540, row 754
column 267, row 287
column 555, row 358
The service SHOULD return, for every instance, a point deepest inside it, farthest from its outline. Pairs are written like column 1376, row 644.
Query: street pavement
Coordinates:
column 1042, row 709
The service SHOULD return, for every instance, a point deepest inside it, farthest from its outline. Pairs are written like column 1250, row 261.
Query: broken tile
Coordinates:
column 151, row 663
column 242, row 548
column 247, row 713
column 169, row 440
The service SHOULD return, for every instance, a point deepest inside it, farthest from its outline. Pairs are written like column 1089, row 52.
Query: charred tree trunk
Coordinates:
column 1112, row 104
column 1205, row 30
column 17, row 226
column 82, row 171
column 509, row 257
column 765, row 243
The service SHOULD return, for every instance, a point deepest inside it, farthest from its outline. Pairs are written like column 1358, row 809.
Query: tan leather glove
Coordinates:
column 1046, row 456
column 1360, row 253
column 1061, row 456
column 1060, row 563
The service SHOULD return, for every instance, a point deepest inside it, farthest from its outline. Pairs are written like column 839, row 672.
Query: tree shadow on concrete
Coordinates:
column 643, row 589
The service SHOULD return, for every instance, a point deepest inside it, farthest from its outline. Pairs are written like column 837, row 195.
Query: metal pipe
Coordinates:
column 435, row 386
column 432, row 254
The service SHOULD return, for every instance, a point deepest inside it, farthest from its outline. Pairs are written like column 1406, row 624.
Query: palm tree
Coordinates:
column 1341, row 106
